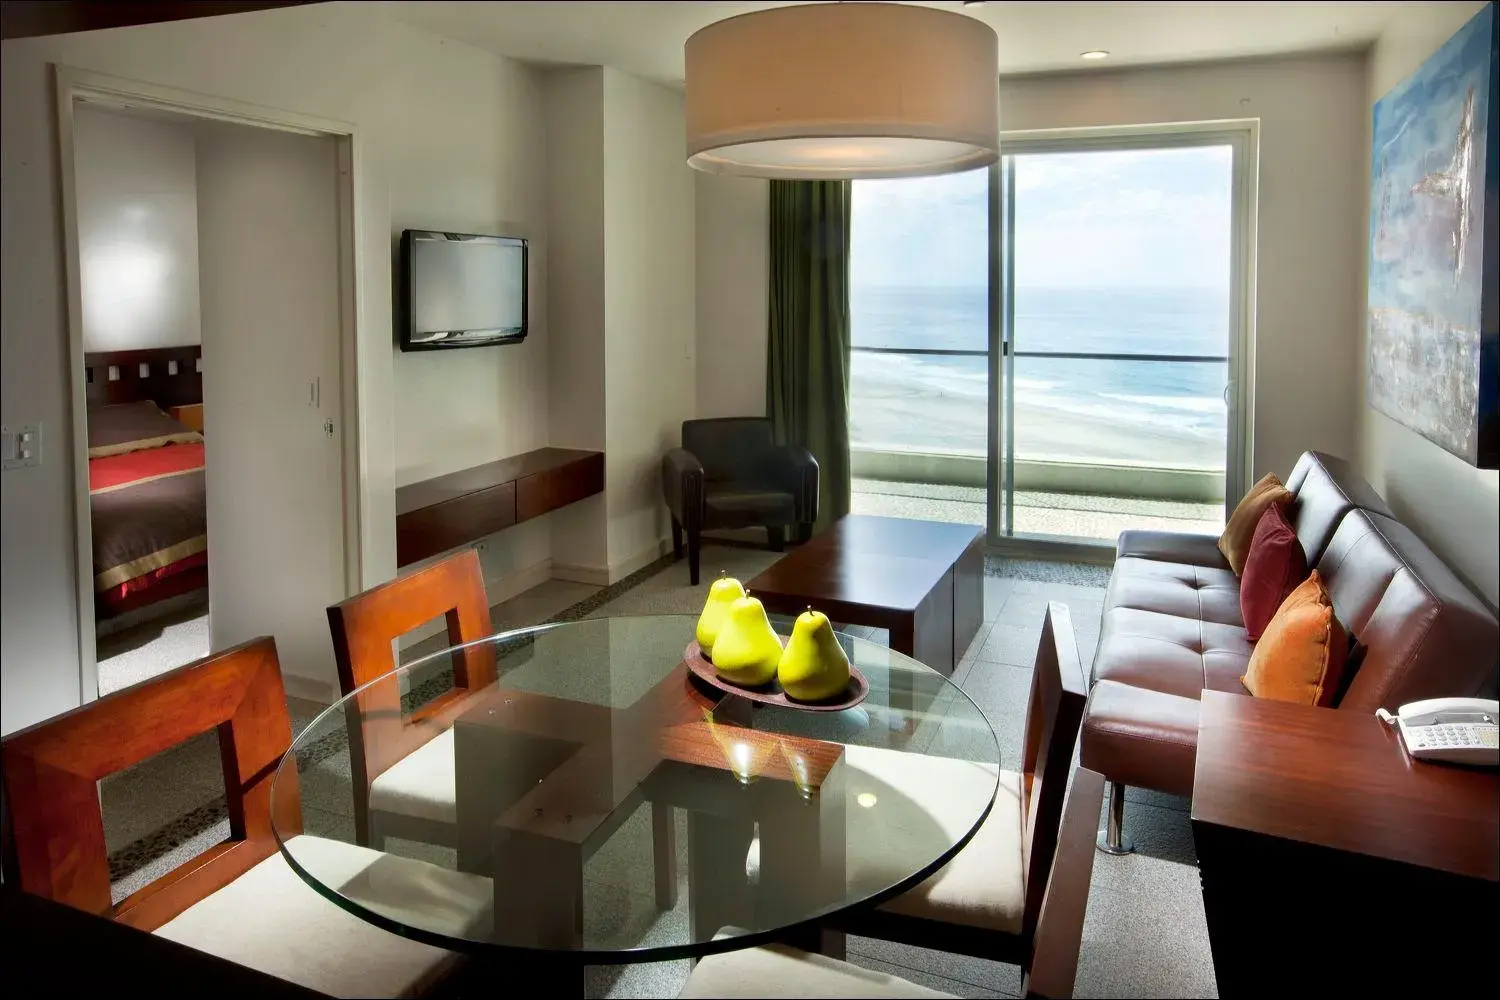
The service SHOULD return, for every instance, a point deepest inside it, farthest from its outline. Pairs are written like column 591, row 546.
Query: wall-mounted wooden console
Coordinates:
column 436, row 515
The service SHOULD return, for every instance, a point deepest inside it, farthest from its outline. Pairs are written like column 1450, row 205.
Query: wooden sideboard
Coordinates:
column 436, row 515
column 1333, row 863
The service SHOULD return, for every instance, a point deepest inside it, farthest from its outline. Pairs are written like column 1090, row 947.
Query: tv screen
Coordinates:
column 461, row 290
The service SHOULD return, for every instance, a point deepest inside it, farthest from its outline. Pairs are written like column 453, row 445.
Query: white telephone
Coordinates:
column 1458, row 730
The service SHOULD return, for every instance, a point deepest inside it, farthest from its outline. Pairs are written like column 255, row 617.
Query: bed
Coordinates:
column 146, row 477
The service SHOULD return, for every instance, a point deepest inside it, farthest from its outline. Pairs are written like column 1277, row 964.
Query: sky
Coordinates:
column 1121, row 218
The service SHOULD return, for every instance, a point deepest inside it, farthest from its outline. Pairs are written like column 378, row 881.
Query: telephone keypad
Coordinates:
column 1456, row 736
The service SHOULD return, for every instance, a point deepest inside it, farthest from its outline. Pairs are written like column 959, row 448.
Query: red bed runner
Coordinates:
column 134, row 466
column 115, row 471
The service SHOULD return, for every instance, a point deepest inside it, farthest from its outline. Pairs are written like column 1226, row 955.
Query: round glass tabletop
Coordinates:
column 573, row 789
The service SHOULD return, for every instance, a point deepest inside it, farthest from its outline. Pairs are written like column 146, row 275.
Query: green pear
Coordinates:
column 813, row 666
column 746, row 650
column 724, row 592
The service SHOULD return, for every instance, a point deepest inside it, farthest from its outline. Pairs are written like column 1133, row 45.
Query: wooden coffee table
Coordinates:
column 922, row 580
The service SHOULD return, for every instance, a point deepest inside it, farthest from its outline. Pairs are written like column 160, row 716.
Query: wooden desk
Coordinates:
column 923, row 580
column 436, row 515
column 1332, row 862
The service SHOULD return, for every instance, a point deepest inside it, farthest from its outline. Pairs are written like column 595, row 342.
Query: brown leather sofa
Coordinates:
column 1172, row 629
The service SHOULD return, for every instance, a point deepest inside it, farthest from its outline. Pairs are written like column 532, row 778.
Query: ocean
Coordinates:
column 1098, row 411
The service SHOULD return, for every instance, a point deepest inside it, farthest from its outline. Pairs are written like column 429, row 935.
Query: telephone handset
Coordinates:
column 1458, row 730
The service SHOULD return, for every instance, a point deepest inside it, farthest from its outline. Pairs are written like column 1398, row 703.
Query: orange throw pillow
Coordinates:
column 1235, row 541
column 1300, row 657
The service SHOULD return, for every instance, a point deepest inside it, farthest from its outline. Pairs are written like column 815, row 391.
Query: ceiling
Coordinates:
column 645, row 39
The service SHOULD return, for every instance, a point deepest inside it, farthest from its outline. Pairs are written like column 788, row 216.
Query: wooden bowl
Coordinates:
column 771, row 694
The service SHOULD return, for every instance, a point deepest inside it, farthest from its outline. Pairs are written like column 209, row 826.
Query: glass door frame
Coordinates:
column 1243, row 139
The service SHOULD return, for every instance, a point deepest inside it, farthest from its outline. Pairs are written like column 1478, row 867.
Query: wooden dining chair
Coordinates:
column 239, row 900
column 404, row 772
column 403, row 763
column 1015, row 893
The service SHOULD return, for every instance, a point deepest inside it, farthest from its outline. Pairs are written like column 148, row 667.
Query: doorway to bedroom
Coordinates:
column 209, row 281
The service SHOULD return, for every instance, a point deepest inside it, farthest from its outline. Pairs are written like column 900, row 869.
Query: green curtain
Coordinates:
column 807, row 354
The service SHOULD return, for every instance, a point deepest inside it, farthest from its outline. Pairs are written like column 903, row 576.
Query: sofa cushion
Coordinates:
column 1140, row 737
column 1197, row 592
column 1325, row 488
column 1300, row 658
column 1171, row 546
column 1424, row 633
column 1173, row 655
column 1235, row 541
column 271, row 920
column 1275, row 568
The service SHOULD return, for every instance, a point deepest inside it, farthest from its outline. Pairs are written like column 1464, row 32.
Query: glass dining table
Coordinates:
column 572, row 794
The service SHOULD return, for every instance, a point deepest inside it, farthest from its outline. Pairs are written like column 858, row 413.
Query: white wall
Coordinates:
column 573, row 100
column 137, row 231
column 733, row 305
column 1452, row 505
column 1311, row 148
column 620, row 222
column 445, row 132
column 649, row 287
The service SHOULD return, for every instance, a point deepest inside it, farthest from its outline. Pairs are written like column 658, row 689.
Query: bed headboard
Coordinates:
column 168, row 376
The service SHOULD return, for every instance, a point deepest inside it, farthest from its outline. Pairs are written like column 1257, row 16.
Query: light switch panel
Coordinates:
column 21, row 446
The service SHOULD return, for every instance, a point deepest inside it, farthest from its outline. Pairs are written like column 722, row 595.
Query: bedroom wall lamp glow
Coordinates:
column 839, row 91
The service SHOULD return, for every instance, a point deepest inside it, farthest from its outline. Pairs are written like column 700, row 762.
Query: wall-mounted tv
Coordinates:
column 461, row 290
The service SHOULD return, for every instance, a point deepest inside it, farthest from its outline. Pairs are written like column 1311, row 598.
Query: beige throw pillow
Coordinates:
column 1235, row 541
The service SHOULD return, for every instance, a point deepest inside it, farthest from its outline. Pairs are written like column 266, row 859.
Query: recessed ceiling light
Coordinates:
column 1094, row 54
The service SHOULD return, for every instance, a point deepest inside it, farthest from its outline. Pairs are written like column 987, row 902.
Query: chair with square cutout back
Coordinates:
column 239, row 900
column 1015, row 893
column 403, row 767
column 404, row 778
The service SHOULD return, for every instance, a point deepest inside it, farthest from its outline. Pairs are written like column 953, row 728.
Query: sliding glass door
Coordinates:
column 1051, row 347
column 920, row 311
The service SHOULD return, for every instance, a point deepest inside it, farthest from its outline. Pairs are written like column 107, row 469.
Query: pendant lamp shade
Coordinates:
column 841, row 91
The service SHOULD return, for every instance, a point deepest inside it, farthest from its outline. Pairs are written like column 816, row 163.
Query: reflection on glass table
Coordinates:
column 608, row 807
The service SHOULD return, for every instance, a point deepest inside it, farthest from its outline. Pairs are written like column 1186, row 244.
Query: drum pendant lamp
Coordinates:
column 842, row 91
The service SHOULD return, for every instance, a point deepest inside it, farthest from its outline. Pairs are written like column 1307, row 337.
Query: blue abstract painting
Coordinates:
column 1434, row 291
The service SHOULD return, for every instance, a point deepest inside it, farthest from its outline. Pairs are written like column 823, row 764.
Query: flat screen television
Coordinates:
column 461, row 290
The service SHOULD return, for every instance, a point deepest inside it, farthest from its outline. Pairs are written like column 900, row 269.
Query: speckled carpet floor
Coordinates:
column 1144, row 935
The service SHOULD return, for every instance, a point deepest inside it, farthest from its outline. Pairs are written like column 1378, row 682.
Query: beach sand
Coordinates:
column 953, row 424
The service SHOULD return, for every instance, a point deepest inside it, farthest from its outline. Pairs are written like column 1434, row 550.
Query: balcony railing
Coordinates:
column 1121, row 427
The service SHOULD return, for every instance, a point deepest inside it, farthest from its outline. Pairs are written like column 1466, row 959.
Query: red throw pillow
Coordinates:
column 1274, row 568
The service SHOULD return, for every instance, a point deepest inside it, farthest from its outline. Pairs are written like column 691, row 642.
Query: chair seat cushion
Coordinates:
column 919, row 805
column 271, row 920
column 776, row 971
column 421, row 784
column 729, row 499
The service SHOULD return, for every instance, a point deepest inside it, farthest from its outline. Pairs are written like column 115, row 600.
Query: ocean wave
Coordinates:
column 1193, row 404
column 1093, row 406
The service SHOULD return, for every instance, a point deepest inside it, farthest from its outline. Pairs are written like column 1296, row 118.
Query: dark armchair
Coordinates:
column 730, row 473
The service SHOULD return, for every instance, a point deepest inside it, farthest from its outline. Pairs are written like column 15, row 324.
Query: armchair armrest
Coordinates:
column 792, row 468
column 1059, row 927
column 682, row 485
